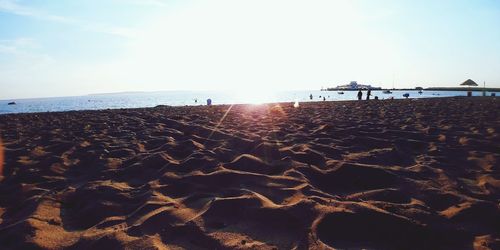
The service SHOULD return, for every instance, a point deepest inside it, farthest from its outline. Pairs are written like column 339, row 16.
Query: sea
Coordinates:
column 191, row 98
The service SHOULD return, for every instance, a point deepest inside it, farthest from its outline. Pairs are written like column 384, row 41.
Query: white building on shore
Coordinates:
column 355, row 85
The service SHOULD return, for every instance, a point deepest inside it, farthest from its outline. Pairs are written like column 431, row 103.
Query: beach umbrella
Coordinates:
column 468, row 83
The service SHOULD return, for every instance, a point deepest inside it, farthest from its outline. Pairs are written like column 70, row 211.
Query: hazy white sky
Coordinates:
column 60, row 48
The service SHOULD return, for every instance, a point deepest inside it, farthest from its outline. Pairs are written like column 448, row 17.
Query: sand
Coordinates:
column 392, row 174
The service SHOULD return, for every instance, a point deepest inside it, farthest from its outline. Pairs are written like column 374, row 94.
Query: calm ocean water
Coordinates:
column 181, row 98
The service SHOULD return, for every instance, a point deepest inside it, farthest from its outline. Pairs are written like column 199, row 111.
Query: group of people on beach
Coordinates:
column 360, row 97
column 324, row 97
column 368, row 94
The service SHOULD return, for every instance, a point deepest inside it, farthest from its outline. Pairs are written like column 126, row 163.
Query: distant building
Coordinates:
column 355, row 85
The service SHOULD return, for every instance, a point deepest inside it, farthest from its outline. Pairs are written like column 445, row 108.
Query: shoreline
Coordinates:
column 252, row 104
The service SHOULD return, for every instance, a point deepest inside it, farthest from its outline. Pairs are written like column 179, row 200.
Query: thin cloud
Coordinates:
column 17, row 46
column 24, row 50
column 155, row 3
column 6, row 49
column 13, row 7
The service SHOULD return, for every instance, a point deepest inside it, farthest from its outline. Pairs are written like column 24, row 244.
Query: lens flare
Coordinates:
column 220, row 122
column 254, row 96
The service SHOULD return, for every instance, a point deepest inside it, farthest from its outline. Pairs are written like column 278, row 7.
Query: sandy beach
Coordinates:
column 387, row 174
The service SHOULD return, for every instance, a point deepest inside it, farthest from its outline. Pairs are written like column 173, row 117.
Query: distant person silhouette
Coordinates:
column 324, row 99
column 368, row 94
column 360, row 94
column 311, row 96
column 209, row 102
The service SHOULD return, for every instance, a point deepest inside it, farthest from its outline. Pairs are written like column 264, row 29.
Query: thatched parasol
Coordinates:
column 468, row 83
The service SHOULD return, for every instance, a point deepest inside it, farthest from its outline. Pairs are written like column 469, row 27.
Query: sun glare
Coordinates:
column 255, row 96
column 222, row 41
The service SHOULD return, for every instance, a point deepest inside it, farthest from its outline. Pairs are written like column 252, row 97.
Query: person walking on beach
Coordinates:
column 368, row 94
column 311, row 96
column 360, row 94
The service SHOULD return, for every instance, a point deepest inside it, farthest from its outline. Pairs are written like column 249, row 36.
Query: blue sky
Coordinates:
column 63, row 48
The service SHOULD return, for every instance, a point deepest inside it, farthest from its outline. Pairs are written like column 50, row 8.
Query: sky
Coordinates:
column 79, row 47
